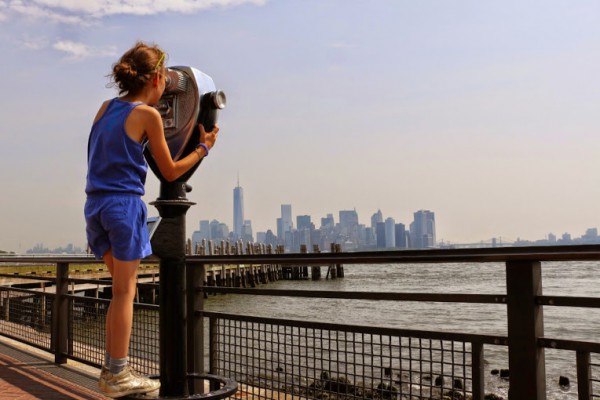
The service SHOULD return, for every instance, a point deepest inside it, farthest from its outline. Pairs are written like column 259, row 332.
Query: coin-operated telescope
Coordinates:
column 190, row 98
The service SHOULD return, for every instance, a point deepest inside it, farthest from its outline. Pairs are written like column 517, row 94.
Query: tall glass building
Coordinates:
column 422, row 229
column 238, row 211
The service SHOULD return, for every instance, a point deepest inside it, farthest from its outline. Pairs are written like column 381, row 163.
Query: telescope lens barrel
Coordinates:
column 219, row 99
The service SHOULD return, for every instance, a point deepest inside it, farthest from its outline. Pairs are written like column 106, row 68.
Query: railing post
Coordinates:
column 213, row 349
column 525, row 325
column 584, row 373
column 195, row 328
column 60, row 315
column 478, row 389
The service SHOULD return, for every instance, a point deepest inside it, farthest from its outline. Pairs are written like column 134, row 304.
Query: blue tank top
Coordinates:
column 116, row 163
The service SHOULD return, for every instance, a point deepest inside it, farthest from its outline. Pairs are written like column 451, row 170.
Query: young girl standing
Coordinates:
column 114, row 211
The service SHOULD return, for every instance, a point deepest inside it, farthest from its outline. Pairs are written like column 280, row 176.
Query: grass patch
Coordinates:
column 50, row 269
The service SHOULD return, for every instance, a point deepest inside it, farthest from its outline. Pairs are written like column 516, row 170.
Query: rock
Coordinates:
column 453, row 395
column 564, row 381
column 404, row 378
column 339, row 384
column 439, row 381
column 426, row 378
column 316, row 385
column 387, row 391
column 504, row 373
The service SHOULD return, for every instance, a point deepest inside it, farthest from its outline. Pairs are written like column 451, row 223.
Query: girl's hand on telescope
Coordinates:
column 208, row 138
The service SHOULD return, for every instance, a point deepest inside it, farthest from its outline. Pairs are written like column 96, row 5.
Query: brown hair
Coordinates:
column 136, row 66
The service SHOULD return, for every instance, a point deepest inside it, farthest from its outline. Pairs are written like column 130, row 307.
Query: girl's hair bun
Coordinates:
column 136, row 67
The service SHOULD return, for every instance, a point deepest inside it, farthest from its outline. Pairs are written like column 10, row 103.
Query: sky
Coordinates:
column 483, row 112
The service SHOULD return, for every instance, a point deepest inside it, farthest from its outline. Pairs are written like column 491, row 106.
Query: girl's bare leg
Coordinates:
column 119, row 318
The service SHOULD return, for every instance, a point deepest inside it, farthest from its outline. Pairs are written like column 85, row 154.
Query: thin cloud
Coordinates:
column 34, row 43
column 83, row 11
column 76, row 51
column 32, row 10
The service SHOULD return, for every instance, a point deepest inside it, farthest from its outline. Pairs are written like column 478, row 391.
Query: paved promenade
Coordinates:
column 27, row 374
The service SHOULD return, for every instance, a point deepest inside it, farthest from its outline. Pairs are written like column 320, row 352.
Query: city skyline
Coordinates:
column 347, row 231
column 483, row 112
column 387, row 232
column 383, row 232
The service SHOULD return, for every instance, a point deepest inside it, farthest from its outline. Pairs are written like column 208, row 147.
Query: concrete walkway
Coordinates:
column 27, row 374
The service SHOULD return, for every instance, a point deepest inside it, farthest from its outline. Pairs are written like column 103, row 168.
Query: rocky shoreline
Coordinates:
column 331, row 387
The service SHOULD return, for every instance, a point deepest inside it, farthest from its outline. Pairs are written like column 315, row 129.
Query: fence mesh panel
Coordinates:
column 595, row 376
column 273, row 360
column 26, row 316
column 88, row 328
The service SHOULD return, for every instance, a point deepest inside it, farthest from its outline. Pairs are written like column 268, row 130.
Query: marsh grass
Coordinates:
column 50, row 269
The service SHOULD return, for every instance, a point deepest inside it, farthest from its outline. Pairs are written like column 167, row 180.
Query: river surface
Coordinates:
column 565, row 279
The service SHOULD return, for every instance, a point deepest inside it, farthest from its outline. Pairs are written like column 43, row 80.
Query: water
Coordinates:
column 564, row 279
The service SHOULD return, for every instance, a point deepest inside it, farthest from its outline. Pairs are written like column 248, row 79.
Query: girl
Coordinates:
column 115, row 214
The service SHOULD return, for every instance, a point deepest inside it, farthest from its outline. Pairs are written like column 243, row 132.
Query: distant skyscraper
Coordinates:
column 303, row 222
column 203, row 233
column 280, row 229
column 422, row 229
column 286, row 218
column 390, row 232
column 401, row 237
column 376, row 218
column 380, row 235
column 238, row 210
column 247, row 231
column 327, row 222
column 348, row 222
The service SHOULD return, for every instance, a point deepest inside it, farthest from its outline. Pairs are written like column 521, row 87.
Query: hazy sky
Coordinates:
column 484, row 112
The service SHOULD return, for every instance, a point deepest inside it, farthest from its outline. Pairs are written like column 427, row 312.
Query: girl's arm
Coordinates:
column 154, row 132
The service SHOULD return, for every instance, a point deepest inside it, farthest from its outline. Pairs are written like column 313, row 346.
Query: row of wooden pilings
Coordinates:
column 252, row 275
column 241, row 276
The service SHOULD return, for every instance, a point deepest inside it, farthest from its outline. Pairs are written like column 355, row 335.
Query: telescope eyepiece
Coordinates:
column 175, row 82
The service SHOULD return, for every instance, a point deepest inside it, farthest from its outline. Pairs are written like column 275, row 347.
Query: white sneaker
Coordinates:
column 127, row 382
column 104, row 377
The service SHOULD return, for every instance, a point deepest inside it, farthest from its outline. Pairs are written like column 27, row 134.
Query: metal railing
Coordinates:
column 272, row 357
column 53, row 314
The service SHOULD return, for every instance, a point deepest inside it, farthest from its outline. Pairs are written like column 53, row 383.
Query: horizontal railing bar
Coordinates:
column 107, row 282
column 29, row 291
column 87, row 299
column 29, row 277
column 148, row 285
column 461, row 337
column 71, row 259
column 586, row 252
column 536, row 253
column 386, row 296
column 568, row 301
column 573, row 345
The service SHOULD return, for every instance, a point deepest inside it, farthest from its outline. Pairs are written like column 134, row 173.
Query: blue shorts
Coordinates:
column 117, row 222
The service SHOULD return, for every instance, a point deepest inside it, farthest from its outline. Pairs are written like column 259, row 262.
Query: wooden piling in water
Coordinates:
column 316, row 269
column 339, row 267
